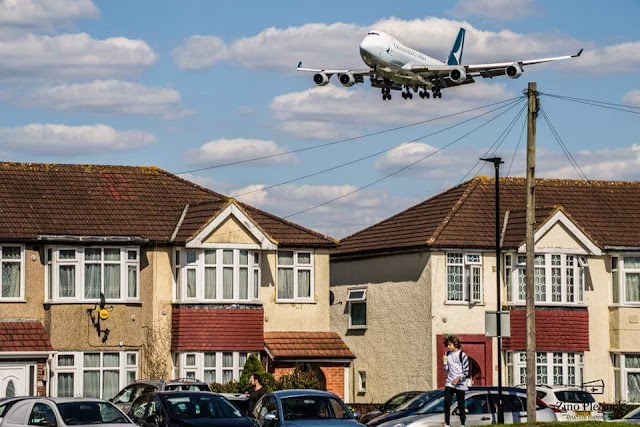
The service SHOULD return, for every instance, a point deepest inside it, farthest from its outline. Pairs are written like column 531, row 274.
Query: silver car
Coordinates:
column 64, row 411
column 481, row 410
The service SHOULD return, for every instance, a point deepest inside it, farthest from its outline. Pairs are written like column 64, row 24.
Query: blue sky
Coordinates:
column 190, row 85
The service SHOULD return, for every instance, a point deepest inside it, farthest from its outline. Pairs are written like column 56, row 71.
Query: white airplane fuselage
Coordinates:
column 390, row 58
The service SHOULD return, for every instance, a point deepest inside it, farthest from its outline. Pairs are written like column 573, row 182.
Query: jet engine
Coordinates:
column 320, row 79
column 514, row 70
column 347, row 79
column 458, row 75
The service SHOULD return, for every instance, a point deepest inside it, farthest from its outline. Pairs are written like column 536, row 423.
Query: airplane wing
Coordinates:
column 330, row 73
column 346, row 77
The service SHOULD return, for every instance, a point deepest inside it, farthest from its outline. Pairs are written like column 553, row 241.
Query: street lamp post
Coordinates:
column 496, row 163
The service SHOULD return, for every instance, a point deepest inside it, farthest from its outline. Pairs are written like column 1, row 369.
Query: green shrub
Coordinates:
column 251, row 367
column 230, row 387
column 299, row 378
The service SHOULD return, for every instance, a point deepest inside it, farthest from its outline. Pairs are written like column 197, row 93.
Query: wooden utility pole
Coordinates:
column 532, row 95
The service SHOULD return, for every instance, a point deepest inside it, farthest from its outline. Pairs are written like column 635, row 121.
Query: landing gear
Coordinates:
column 406, row 94
column 423, row 94
column 386, row 94
column 436, row 92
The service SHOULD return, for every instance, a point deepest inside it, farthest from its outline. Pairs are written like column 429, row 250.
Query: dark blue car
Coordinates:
column 410, row 407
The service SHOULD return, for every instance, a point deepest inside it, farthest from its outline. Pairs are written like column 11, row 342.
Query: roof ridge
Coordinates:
column 471, row 186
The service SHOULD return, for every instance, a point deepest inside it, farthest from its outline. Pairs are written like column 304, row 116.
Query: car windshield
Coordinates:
column 633, row 415
column 433, row 406
column 417, row 402
column 85, row 412
column 187, row 387
column 205, row 406
column 314, row 407
column 574, row 396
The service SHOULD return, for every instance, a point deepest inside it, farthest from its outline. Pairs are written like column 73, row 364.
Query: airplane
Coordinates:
column 394, row 66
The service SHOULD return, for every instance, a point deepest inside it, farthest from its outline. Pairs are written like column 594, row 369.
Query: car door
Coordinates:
column 266, row 411
column 42, row 415
column 515, row 409
column 140, row 409
column 479, row 411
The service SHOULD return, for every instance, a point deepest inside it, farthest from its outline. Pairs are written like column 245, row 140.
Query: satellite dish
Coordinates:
column 332, row 297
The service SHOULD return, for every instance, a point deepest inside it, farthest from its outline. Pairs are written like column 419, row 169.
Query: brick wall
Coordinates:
column 333, row 375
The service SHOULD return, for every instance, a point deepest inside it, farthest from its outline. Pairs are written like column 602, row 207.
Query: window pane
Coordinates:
column 67, row 254
column 91, row 386
column 256, row 283
column 210, row 257
column 91, row 360
column 210, row 375
column 227, row 257
column 111, row 360
column 227, row 283
column 210, row 360
column 227, row 376
column 132, row 359
column 67, row 280
column 285, row 258
column 112, row 280
column 190, row 360
column 210, row 282
column 631, row 262
column 304, row 284
column 244, row 257
column 132, row 255
column 93, row 254
column 358, row 313
column 304, row 258
column 632, row 287
column 65, row 360
column 227, row 360
column 191, row 283
column 10, row 252
column 244, row 283
column 192, row 256
column 92, row 280
column 65, row 384
column 110, row 384
column 111, row 254
column 285, row 283
column 10, row 279
column 454, row 283
column 132, row 281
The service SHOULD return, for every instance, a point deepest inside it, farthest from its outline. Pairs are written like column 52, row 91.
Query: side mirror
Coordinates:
column 270, row 416
column 357, row 415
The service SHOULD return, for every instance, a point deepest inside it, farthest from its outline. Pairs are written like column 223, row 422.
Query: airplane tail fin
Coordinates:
column 455, row 57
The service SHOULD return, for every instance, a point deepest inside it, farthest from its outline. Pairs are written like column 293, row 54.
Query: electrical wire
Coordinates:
column 346, row 139
column 376, row 153
column 595, row 103
column 563, row 146
column 513, row 158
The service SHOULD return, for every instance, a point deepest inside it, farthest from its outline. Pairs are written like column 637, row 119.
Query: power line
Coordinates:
column 403, row 168
column 374, row 154
column 346, row 139
column 563, row 146
column 513, row 158
column 595, row 103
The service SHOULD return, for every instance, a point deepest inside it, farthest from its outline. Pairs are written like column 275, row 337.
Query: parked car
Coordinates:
column 127, row 395
column 186, row 408
column 300, row 408
column 409, row 407
column 632, row 417
column 240, row 400
column 570, row 403
column 389, row 405
column 481, row 409
column 64, row 411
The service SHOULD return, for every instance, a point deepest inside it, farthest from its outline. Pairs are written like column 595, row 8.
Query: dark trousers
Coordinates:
column 448, row 398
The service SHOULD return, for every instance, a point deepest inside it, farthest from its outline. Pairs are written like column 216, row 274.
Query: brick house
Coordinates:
column 431, row 270
column 112, row 273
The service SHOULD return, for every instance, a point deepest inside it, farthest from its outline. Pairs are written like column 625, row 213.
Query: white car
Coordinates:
column 65, row 411
column 570, row 403
column 481, row 410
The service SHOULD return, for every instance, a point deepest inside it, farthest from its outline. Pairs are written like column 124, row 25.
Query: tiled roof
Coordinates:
column 23, row 336
column 122, row 201
column 464, row 216
column 217, row 328
column 306, row 345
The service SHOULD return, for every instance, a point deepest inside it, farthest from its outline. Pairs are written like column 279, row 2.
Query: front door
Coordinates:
column 13, row 381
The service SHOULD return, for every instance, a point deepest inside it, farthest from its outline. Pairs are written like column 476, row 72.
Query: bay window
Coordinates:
column 559, row 278
column 93, row 374
column 627, row 377
column 217, row 275
column 11, row 273
column 625, row 273
column 84, row 273
column 464, row 277
column 552, row 368
column 212, row 366
column 295, row 276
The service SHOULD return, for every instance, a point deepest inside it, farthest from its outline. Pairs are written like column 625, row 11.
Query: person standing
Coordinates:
column 254, row 396
column 456, row 365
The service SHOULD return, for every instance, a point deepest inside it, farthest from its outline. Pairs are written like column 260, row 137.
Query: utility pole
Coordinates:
column 532, row 95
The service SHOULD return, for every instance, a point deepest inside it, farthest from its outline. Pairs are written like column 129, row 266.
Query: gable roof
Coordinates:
column 306, row 345
column 464, row 216
column 40, row 201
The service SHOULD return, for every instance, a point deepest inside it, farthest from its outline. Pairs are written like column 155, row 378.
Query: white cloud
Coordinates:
column 105, row 96
column 632, row 98
column 618, row 58
column 72, row 56
column 608, row 163
column 44, row 13
column 339, row 218
column 221, row 151
column 198, row 52
column 495, row 9
column 63, row 140
column 349, row 110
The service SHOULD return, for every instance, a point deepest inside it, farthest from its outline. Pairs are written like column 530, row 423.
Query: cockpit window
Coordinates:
column 373, row 33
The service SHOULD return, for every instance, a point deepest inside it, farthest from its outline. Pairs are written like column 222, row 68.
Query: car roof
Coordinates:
column 305, row 392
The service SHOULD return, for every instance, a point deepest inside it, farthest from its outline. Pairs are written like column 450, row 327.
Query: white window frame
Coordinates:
column 194, row 260
column 53, row 262
column 569, row 366
column 618, row 280
column 357, row 296
column 472, row 283
column 362, row 381
column 546, row 263
column 191, row 364
column 621, row 372
column 21, row 284
column 296, row 267
column 127, row 373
